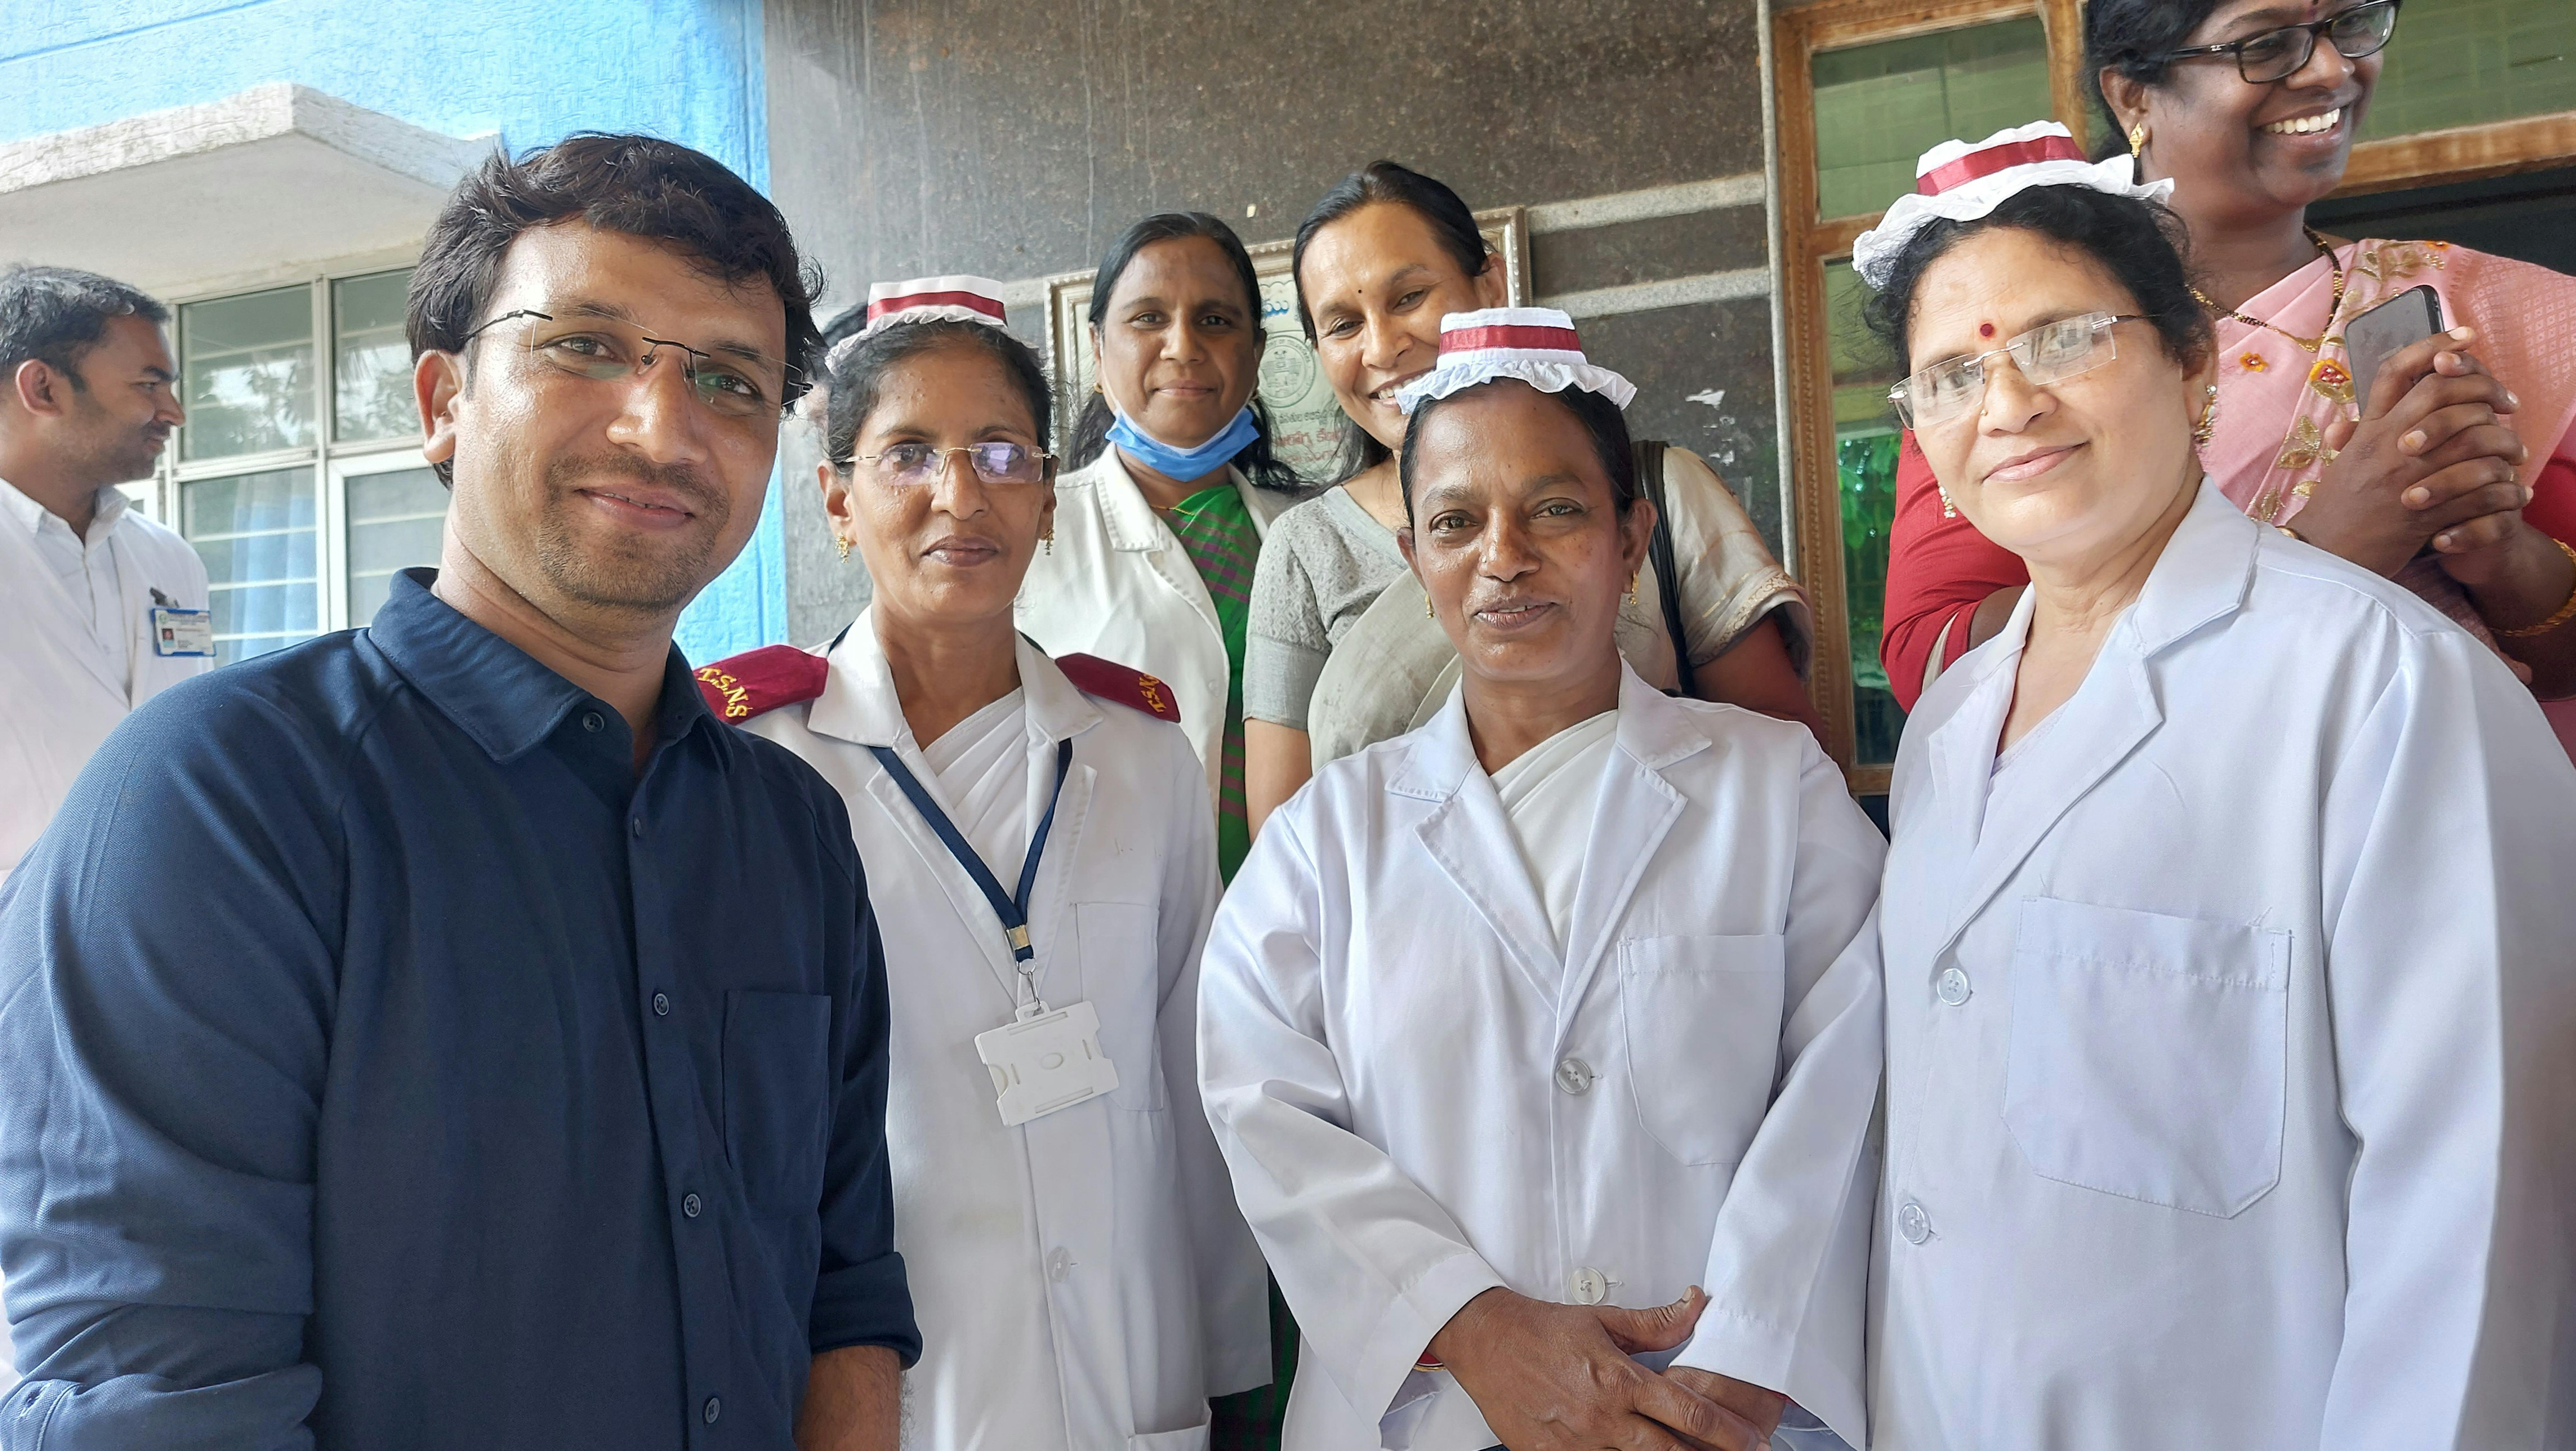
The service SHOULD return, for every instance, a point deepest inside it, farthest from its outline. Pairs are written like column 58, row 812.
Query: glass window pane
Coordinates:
column 370, row 361
column 256, row 534
column 393, row 525
column 247, row 365
column 1865, row 443
column 2462, row 62
column 1881, row 106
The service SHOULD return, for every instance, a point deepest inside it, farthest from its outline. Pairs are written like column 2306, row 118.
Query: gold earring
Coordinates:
column 1632, row 586
column 2208, row 424
column 2138, row 139
column 1048, row 538
column 1427, row 612
column 1948, row 509
column 843, row 540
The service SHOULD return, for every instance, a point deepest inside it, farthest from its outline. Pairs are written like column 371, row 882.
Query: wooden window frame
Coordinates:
column 1809, row 242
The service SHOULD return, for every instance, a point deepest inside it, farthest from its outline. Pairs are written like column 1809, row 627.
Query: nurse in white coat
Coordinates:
column 1172, row 488
column 2231, row 961
column 1040, row 858
column 1566, row 1002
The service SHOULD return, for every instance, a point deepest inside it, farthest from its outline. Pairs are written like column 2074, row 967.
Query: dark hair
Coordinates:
column 640, row 186
column 2139, row 243
column 1091, row 428
column 2133, row 37
column 857, row 378
column 52, row 315
column 1452, row 225
column 1601, row 419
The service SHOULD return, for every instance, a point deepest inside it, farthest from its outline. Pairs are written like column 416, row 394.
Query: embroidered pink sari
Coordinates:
column 2275, row 398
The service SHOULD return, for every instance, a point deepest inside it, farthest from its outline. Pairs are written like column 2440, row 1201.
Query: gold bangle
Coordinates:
column 2565, row 613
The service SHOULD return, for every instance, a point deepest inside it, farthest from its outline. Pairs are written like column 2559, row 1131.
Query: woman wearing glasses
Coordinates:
column 1042, row 863
column 2457, row 484
column 2230, row 967
column 1172, row 488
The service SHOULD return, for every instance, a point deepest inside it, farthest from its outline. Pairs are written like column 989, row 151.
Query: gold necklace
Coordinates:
column 2332, row 308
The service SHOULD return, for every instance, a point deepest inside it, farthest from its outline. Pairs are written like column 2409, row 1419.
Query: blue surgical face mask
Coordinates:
column 1183, row 464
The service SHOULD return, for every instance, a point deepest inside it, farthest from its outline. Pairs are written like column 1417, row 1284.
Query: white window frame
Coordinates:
column 333, row 462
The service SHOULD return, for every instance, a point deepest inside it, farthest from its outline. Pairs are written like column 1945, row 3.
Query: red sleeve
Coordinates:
column 1938, row 570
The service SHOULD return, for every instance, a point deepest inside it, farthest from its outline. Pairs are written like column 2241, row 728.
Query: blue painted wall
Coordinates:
column 529, row 70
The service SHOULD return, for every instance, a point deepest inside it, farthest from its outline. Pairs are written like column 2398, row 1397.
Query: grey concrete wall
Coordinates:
column 1016, row 141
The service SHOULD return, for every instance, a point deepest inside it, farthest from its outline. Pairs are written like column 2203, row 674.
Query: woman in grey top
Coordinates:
column 1339, row 652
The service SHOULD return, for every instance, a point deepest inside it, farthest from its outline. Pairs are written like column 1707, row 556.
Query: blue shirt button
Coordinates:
column 637, row 826
column 690, row 1206
column 592, row 720
column 715, row 1408
column 661, row 1005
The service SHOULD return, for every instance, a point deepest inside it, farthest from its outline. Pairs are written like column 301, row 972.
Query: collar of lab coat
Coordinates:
column 112, row 504
column 859, row 705
column 1130, row 522
column 1467, row 834
column 2202, row 577
column 1653, row 731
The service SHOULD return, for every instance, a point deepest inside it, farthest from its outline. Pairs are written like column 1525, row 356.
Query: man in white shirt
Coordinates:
column 104, row 607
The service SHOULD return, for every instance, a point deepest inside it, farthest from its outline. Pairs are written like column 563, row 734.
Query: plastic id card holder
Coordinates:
column 182, row 632
column 1047, row 1062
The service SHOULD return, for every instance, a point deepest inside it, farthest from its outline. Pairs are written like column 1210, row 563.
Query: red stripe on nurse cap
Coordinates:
column 2025, row 146
column 943, row 299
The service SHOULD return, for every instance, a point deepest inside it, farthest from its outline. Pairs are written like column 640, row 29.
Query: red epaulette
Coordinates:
column 742, row 686
column 1122, row 684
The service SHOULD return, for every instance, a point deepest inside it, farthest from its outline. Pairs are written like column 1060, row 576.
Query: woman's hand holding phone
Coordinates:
column 2428, row 459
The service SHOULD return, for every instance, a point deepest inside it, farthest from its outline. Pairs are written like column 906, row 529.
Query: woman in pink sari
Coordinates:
column 2456, row 478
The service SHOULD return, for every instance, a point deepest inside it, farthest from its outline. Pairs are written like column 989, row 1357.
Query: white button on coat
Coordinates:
column 1953, row 987
column 2276, row 970
column 1574, row 1076
column 1720, row 971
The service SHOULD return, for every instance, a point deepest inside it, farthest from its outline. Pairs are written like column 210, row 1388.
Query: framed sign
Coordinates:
column 1307, row 423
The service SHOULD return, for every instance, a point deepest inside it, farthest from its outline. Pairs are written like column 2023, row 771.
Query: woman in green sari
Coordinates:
column 1172, row 486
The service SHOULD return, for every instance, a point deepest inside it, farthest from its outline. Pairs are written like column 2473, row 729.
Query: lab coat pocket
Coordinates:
column 1188, row 1438
column 1702, row 1016
column 1122, row 978
column 778, row 1096
column 2149, row 1054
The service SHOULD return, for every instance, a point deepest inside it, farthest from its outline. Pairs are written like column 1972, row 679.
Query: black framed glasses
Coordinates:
column 731, row 385
column 913, row 465
column 2279, row 54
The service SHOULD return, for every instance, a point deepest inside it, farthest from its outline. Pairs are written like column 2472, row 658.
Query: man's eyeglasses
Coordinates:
column 730, row 385
column 2049, row 353
column 914, row 465
column 2278, row 54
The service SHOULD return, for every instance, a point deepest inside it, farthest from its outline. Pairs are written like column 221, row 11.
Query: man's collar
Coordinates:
column 496, row 692
column 31, row 516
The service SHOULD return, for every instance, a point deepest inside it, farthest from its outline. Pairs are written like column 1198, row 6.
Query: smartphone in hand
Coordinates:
column 2409, row 317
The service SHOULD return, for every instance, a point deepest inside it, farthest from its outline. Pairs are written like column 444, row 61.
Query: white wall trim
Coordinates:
column 1733, row 286
column 1678, row 200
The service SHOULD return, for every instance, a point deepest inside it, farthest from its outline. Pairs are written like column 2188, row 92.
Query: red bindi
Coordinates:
column 1985, row 329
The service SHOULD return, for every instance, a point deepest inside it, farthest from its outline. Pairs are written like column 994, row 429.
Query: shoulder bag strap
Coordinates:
column 1668, row 584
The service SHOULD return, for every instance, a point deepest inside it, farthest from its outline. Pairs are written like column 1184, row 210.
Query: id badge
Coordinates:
column 177, row 632
column 1046, row 1062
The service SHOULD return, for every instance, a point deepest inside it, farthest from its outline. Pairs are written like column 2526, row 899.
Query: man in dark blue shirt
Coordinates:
column 449, row 1034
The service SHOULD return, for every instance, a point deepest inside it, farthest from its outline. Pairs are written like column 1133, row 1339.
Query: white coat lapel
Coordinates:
column 1132, row 524
column 1057, row 711
column 2201, row 577
column 1467, row 835
column 1637, row 808
column 44, row 597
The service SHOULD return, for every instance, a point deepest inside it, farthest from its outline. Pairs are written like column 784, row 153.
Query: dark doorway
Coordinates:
column 2530, row 215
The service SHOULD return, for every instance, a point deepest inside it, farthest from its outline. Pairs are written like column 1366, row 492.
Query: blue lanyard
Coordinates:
column 1014, row 911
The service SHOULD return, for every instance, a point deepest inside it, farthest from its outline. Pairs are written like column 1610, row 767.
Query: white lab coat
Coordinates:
column 1083, row 1280
column 2232, row 1063
column 1119, row 584
column 63, row 697
column 1420, row 1100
